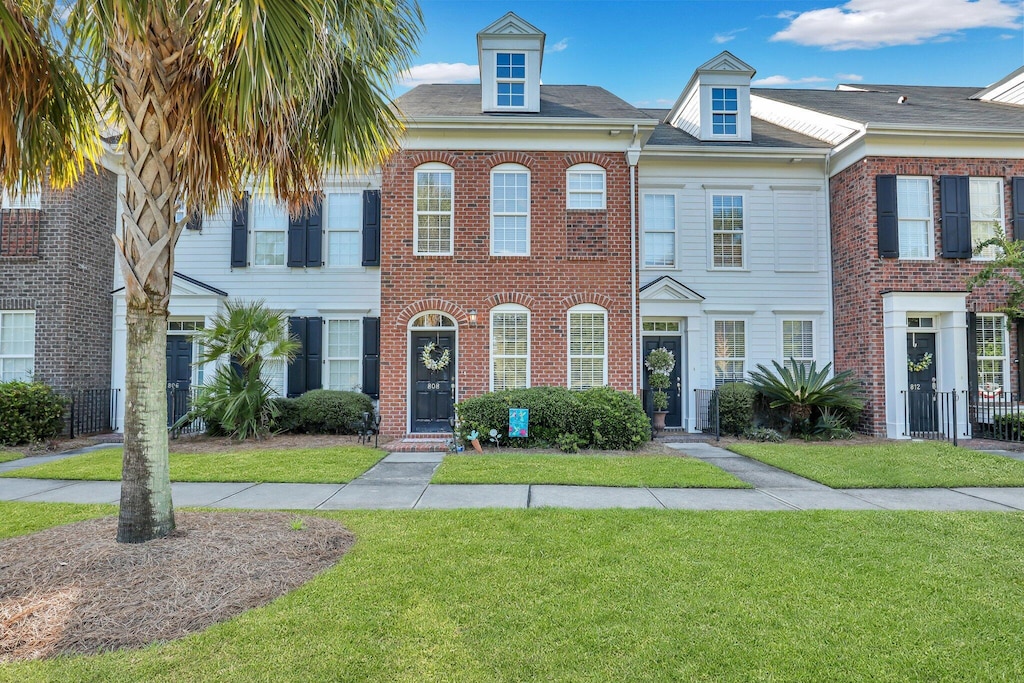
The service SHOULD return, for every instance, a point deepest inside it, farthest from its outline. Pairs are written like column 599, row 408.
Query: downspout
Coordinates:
column 632, row 158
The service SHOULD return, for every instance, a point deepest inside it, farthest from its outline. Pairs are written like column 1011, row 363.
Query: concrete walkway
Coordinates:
column 402, row 481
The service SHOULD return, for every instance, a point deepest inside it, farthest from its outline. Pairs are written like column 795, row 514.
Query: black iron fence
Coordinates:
column 91, row 411
column 179, row 403
column 997, row 416
column 931, row 415
column 706, row 403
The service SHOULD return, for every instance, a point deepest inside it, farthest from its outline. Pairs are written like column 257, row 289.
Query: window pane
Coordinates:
column 343, row 339
column 344, row 248
column 273, row 375
column 269, row 249
column 798, row 340
column 659, row 249
column 913, row 198
column 730, row 351
column 986, row 212
column 17, row 334
column 12, row 369
column 343, row 375
column 344, row 211
column 914, row 238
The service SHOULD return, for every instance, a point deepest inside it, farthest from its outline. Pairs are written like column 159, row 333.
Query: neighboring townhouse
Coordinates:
column 56, row 258
column 734, row 259
column 918, row 176
column 507, row 258
column 320, row 268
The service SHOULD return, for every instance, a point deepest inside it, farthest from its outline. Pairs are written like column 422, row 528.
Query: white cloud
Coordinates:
column 867, row 24
column 439, row 72
column 559, row 46
column 786, row 80
column 850, row 78
column 721, row 38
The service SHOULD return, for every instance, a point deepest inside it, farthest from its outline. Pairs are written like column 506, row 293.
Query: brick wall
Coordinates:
column 861, row 277
column 68, row 283
column 575, row 257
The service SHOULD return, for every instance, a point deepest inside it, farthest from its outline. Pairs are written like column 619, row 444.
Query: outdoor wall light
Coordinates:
column 472, row 316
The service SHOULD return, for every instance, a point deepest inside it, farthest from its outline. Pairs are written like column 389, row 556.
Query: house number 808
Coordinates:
column 433, row 386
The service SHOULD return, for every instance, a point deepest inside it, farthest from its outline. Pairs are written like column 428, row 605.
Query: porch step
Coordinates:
column 420, row 443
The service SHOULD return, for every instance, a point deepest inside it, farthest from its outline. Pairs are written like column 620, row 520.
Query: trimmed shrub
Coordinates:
column 288, row 417
column 600, row 418
column 29, row 412
column 324, row 411
column 736, row 407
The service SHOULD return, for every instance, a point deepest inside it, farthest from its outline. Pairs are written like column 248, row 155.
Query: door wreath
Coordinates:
column 921, row 365
column 432, row 363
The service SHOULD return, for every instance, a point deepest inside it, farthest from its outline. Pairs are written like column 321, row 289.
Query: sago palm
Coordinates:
column 800, row 388
column 210, row 95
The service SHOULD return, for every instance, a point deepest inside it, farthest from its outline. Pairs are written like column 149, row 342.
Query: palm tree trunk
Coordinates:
column 146, row 508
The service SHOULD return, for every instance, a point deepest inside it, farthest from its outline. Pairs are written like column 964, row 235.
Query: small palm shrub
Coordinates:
column 735, row 407
column 803, row 391
column 29, row 412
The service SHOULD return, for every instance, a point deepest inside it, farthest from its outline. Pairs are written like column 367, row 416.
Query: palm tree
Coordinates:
column 211, row 95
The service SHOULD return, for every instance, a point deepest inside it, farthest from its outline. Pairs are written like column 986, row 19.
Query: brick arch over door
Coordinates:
column 412, row 310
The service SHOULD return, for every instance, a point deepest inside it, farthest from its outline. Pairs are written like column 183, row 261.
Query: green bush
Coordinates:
column 736, row 407
column 324, row 411
column 29, row 412
column 1008, row 426
column 288, row 417
column 764, row 434
column 600, row 418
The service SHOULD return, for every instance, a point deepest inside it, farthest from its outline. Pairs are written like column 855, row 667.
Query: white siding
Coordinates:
column 798, row 231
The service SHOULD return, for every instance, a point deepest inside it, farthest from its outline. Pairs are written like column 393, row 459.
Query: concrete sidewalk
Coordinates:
column 402, row 481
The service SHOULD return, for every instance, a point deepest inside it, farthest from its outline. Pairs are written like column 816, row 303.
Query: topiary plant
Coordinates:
column 660, row 362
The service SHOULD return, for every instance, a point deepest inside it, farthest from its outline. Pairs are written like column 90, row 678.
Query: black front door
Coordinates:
column 432, row 389
column 921, row 400
column 179, row 375
column 675, row 413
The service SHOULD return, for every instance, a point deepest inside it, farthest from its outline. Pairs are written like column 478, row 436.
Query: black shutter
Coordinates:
column 972, row 355
column 371, row 227
column 1017, row 217
column 240, row 232
column 297, row 366
column 314, row 236
column 371, row 357
column 314, row 352
column 195, row 220
column 955, row 203
column 297, row 240
column 888, row 218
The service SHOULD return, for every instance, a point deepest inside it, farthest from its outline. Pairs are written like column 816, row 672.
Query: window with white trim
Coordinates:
column 510, row 347
column 273, row 373
column 986, row 213
column 434, row 194
column 659, row 221
column 510, row 210
column 588, row 349
column 17, row 345
column 269, row 232
column 730, row 351
column 798, row 341
column 344, row 226
column 585, row 187
column 992, row 353
column 511, row 79
column 725, row 111
column 660, row 326
column 914, row 214
column 344, row 354
column 727, row 231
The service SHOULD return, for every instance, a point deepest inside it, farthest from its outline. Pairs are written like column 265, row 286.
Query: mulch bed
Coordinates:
column 74, row 590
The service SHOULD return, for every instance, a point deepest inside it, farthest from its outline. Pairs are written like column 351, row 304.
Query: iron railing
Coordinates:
column 179, row 403
column 930, row 415
column 19, row 232
column 996, row 416
column 91, row 411
column 706, row 403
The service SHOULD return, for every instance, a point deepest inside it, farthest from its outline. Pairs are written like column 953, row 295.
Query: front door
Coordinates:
column 432, row 389
column 179, row 375
column 921, row 399
column 674, row 391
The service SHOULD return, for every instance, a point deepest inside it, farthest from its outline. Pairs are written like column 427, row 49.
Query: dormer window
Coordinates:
column 511, row 79
column 724, row 111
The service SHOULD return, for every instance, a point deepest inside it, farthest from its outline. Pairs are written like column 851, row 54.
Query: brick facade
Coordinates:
column 68, row 282
column 575, row 257
column 861, row 277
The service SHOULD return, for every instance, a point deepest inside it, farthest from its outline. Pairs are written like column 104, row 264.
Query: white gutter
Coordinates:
column 632, row 158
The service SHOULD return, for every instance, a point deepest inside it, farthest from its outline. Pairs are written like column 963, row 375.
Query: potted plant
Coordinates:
column 660, row 362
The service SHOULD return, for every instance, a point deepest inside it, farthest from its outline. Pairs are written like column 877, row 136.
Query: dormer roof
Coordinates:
column 1009, row 90
column 509, row 25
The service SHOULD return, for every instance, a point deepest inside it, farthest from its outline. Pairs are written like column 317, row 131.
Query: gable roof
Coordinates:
column 763, row 134
column 449, row 100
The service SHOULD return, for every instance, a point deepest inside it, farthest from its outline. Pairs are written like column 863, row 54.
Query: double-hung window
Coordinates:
column 914, row 207
column 724, row 111
column 730, row 351
column 344, row 229
column 269, row 230
column 727, row 231
column 588, row 350
column 510, row 210
column 434, row 210
column 992, row 353
column 510, row 347
column 798, row 341
column 986, row 213
column 659, row 222
column 17, row 345
column 343, row 354
column 511, row 79
column 586, row 187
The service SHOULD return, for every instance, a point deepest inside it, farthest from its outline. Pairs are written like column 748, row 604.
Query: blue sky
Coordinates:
column 646, row 50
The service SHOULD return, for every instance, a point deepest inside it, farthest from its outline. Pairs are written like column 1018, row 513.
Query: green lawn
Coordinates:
column 623, row 595
column 888, row 465
column 583, row 470
column 7, row 456
column 301, row 465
